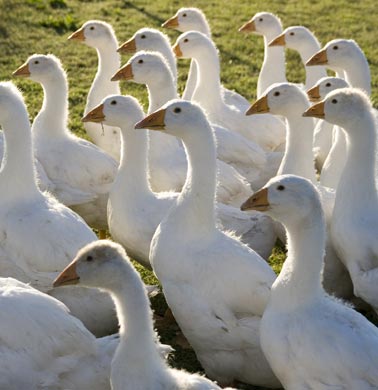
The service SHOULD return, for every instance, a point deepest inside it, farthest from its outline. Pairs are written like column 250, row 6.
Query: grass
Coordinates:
column 42, row 26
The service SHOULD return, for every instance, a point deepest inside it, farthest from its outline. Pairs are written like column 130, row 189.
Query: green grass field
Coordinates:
column 42, row 26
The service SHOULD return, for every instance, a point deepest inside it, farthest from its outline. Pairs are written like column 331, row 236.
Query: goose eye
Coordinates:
column 113, row 102
column 143, row 36
column 291, row 33
column 280, row 187
column 36, row 62
column 261, row 19
column 276, row 93
column 89, row 258
column 184, row 15
column 186, row 40
column 335, row 47
column 140, row 62
column 328, row 84
column 334, row 101
column 177, row 110
column 91, row 28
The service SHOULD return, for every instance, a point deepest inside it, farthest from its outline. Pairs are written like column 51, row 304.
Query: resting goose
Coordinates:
column 44, row 347
column 137, row 362
column 73, row 164
column 218, row 287
column 354, row 224
column 290, row 101
column 168, row 170
column 273, row 68
column 311, row 340
column 100, row 35
column 39, row 235
column 266, row 131
column 193, row 19
column 135, row 211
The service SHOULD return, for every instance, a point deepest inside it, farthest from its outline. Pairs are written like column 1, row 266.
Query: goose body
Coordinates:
column 217, row 288
column 311, row 340
column 40, row 235
column 100, row 35
column 74, row 165
column 137, row 363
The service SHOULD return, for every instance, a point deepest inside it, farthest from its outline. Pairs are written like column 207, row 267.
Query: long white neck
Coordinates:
column 335, row 161
column 161, row 91
column 298, row 158
column 299, row 282
column 167, row 52
column 108, row 64
column 51, row 121
column 357, row 73
column 357, row 186
column 195, row 208
column 17, row 174
column 313, row 73
column 273, row 67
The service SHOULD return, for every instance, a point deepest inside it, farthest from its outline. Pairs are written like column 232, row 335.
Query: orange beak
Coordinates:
column 96, row 115
column 22, row 71
column 171, row 23
column 128, row 47
column 314, row 94
column 316, row 111
column 260, row 106
column 67, row 276
column 176, row 49
column 77, row 35
column 125, row 73
column 278, row 41
column 319, row 58
column 248, row 27
column 258, row 201
column 154, row 121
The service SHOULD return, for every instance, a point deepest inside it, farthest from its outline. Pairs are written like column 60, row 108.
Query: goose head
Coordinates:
column 116, row 110
column 40, row 68
column 286, row 198
column 294, row 37
column 94, row 33
column 324, row 86
column 144, row 68
column 191, row 43
column 336, row 54
column 10, row 99
column 187, row 19
column 343, row 107
column 148, row 39
column 178, row 117
column 281, row 99
column 263, row 23
column 95, row 265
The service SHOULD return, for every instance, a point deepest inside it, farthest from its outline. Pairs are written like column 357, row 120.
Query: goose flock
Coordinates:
column 198, row 190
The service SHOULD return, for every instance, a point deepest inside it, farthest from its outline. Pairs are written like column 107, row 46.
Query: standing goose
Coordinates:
column 267, row 131
column 71, row 163
column 193, row 19
column 100, row 35
column 150, row 68
column 354, row 224
column 137, row 362
column 273, row 68
column 135, row 211
column 290, row 101
column 311, row 340
column 217, row 288
column 39, row 235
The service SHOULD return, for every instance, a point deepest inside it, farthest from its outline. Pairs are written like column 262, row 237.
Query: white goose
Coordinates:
column 193, row 19
column 310, row 340
column 137, row 363
column 39, row 235
column 267, row 131
column 135, row 211
column 217, row 288
column 44, row 347
column 150, row 68
column 273, row 68
column 354, row 221
column 74, row 165
column 290, row 101
column 100, row 35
